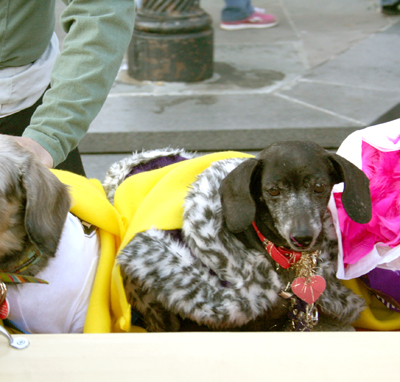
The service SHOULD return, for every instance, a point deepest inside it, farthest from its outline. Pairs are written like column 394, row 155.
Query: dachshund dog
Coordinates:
column 33, row 208
column 256, row 238
column 39, row 238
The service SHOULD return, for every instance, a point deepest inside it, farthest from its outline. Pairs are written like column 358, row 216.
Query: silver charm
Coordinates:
column 286, row 293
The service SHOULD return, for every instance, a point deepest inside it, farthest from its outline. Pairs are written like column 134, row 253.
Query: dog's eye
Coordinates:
column 319, row 188
column 273, row 191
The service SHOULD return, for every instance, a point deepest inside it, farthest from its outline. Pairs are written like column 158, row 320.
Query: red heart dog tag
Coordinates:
column 310, row 289
column 4, row 309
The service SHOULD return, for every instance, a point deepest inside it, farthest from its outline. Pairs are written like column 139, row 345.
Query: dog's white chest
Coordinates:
column 60, row 306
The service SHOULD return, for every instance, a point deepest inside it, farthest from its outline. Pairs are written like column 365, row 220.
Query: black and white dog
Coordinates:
column 223, row 269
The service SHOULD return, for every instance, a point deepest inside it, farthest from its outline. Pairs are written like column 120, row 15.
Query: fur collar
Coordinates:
column 118, row 172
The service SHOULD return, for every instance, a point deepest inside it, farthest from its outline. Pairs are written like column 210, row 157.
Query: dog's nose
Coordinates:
column 301, row 239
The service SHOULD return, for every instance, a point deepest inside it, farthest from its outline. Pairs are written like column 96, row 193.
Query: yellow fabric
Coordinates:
column 376, row 316
column 89, row 202
column 154, row 199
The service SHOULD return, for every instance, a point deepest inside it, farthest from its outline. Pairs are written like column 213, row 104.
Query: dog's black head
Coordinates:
column 286, row 189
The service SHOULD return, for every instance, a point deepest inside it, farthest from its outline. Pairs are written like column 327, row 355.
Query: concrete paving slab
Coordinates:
column 212, row 112
column 395, row 29
column 329, row 28
column 360, row 105
column 371, row 64
column 209, row 122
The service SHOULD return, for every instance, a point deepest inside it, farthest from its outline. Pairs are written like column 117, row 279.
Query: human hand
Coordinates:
column 37, row 149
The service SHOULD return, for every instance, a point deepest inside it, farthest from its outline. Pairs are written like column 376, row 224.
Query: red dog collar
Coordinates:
column 284, row 257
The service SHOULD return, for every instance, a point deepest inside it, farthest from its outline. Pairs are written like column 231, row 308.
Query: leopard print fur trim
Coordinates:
column 118, row 171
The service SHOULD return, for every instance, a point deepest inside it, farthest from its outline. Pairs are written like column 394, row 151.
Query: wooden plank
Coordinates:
column 192, row 357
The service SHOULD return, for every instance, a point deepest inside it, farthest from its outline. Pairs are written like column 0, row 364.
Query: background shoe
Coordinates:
column 391, row 10
column 256, row 20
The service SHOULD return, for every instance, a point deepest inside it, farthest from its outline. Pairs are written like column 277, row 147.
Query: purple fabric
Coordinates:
column 386, row 284
column 295, row 316
column 155, row 164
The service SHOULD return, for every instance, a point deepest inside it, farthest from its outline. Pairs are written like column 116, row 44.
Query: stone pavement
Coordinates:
column 329, row 68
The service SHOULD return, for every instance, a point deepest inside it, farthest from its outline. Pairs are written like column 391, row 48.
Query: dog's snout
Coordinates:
column 302, row 238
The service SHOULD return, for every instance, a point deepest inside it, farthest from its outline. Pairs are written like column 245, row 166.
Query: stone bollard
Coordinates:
column 172, row 41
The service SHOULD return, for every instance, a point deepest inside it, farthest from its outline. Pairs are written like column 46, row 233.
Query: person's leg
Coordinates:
column 235, row 10
column 240, row 14
column 15, row 124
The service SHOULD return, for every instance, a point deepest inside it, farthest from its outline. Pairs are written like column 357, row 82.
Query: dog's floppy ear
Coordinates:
column 238, row 206
column 356, row 197
column 47, row 205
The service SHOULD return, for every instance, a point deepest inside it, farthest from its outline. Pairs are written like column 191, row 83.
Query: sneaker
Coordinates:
column 256, row 20
column 260, row 10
